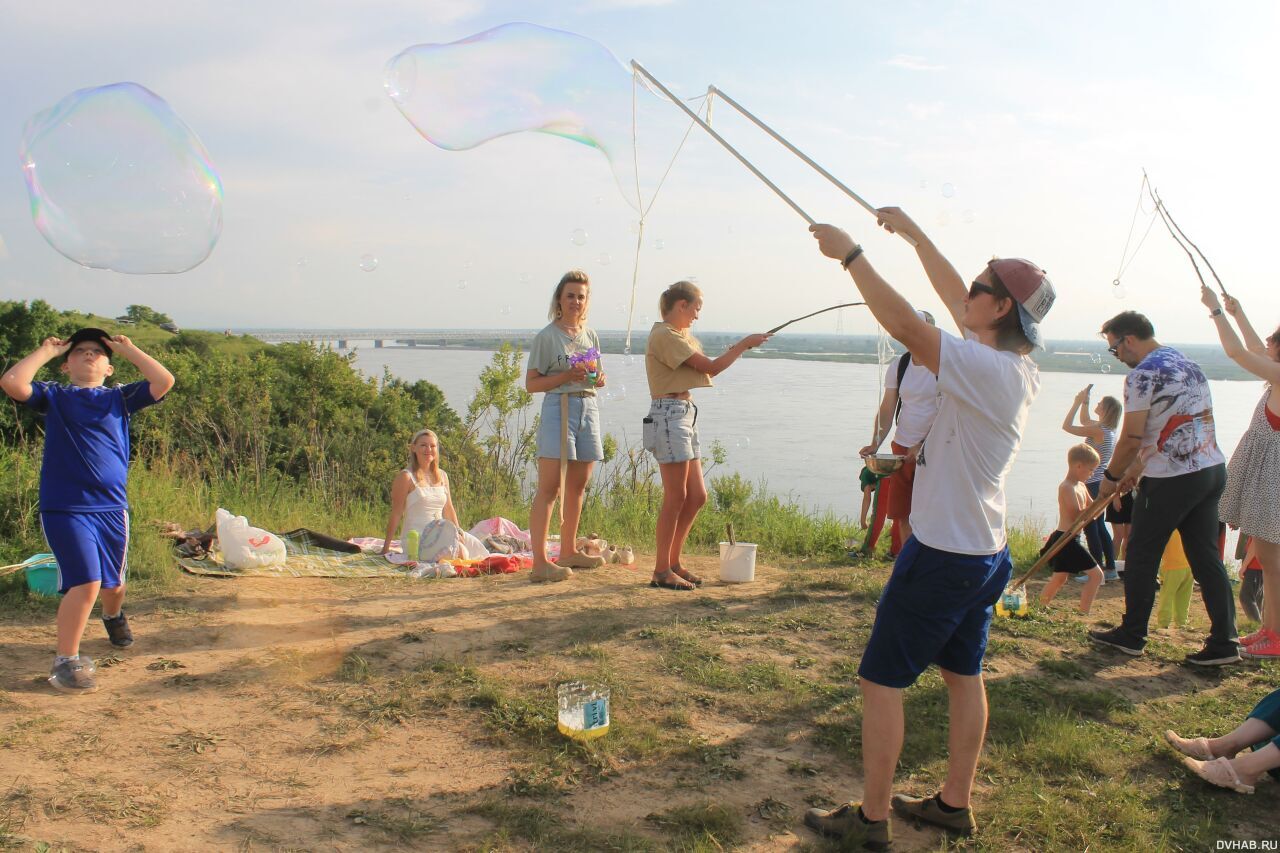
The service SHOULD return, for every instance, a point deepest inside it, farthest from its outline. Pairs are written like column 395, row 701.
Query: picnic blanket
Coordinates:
column 310, row 555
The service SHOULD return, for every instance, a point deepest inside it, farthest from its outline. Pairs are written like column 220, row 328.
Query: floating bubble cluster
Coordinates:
column 118, row 181
column 522, row 77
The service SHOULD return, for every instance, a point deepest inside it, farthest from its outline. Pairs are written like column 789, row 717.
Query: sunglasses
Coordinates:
column 1115, row 348
column 978, row 287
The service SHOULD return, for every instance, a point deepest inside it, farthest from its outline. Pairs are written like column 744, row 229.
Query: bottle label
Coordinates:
column 595, row 714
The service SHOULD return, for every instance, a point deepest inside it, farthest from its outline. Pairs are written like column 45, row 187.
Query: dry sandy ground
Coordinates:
column 207, row 732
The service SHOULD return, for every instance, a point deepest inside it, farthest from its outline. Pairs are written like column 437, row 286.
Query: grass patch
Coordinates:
column 701, row 826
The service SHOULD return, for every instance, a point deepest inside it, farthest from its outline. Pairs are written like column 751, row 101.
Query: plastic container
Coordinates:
column 1013, row 602
column 737, row 562
column 583, row 710
column 42, row 577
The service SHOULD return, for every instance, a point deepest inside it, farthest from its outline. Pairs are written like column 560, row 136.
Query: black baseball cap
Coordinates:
column 98, row 336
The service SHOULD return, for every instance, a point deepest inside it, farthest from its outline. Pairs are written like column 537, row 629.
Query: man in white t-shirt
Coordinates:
column 937, row 605
column 909, row 404
column 1168, row 437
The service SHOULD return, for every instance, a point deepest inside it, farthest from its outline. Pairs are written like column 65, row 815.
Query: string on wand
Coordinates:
column 1180, row 237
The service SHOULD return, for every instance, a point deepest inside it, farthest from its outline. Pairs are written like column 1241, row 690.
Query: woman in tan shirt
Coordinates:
column 675, row 364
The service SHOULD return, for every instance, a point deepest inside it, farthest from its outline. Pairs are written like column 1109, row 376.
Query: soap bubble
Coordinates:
column 466, row 265
column 605, row 259
column 520, row 77
column 659, row 244
column 1118, row 291
column 743, row 443
column 924, row 185
column 968, row 216
column 301, row 262
column 615, row 393
column 524, row 278
column 117, row 181
column 1106, row 368
column 948, row 190
column 462, row 284
column 599, row 200
column 368, row 263
column 578, row 237
column 506, row 310
column 1095, row 358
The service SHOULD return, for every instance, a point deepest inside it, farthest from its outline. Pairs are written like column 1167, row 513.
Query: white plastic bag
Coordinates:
column 245, row 547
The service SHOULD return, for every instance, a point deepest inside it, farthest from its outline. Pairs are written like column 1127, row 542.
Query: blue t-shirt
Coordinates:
column 86, row 444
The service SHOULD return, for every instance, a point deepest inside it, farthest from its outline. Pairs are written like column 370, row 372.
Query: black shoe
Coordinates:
column 118, row 631
column 1214, row 657
column 1116, row 638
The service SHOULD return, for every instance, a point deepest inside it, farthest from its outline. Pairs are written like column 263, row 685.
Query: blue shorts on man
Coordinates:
column 89, row 546
column 936, row 608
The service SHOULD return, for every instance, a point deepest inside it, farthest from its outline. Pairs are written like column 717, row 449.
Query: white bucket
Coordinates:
column 737, row 562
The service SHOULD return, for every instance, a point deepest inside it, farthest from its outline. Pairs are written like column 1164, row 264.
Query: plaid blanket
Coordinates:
column 310, row 555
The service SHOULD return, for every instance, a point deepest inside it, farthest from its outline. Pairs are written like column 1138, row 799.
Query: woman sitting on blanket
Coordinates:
column 420, row 494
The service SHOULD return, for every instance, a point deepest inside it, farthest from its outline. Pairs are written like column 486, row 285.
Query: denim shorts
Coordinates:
column 670, row 431
column 936, row 608
column 584, row 429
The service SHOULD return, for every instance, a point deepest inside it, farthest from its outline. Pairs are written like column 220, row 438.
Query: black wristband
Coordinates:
column 851, row 257
column 1109, row 476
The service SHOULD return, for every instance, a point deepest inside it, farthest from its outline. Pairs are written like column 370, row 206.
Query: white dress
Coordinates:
column 426, row 504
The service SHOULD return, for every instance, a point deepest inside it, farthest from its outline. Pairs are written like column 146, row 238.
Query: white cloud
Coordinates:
column 913, row 63
column 921, row 112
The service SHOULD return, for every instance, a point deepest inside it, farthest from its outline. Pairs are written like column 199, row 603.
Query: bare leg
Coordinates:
column 112, row 600
column 1269, row 556
column 540, row 511
column 695, row 497
column 866, row 505
column 1120, row 539
column 905, row 526
column 1246, row 734
column 675, row 476
column 1250, row 766
column 1051, row 589
column 1090, row 590
column 575, row 487
column 882, row 733
column 967, row 709
column 73, row 615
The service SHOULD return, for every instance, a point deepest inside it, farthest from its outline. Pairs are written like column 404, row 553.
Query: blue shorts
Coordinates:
column 1268, row 710
column 585, row 444
column 89, row 546
column 670, row 432
column 936, row 608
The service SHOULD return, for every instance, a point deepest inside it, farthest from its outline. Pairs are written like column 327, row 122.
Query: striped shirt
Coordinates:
column 1105, row 448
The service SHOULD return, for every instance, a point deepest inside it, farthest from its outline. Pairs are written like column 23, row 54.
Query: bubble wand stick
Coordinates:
column 1181, row 238
column 776, row 329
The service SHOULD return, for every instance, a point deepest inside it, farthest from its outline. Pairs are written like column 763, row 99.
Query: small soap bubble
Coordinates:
column 628, row 359
column 466, row 265
column 659, row 244
column 118, row 181
column 506, row 310
column 462, row 284
column 599, row 200
column 743, row 443
column 968, row 216
column 578, row 237
column 1118, row 291
column 924, row 185
column 605, row 259
column 948, row 190
column 1095, row 358
column 301, row 262
column 1106, row 368
column 368, row 263
column 524, row 278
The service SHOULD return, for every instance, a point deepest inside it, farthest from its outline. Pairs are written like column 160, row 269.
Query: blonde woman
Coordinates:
column 564, row 366
column 675, row 365
column 420, row 492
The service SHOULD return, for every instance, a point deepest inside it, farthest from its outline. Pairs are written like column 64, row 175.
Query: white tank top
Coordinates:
column 425, row 503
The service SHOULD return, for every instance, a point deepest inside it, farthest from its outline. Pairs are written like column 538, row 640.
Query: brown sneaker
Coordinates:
column 580, row 561
column 846, row 823
column 550, row 572
column 927, row 810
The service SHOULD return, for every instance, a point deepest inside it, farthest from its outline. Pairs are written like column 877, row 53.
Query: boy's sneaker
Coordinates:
column 72, row 676
column 1112, row 575
column 1214, row 657
column 1261, row 635
column 1117, row 639
column 118, row 631
column 928, row 810
column 845, row 823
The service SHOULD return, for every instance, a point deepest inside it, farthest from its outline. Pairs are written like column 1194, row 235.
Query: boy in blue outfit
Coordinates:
column 84, row 510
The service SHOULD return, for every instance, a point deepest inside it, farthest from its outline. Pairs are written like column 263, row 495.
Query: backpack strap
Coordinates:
column 903, row 363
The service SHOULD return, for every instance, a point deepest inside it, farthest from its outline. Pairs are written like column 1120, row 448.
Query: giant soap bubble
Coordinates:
column 118, row 181
column 522, row 77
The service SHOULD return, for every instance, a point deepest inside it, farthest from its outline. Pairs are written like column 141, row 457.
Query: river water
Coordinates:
column 798, row 425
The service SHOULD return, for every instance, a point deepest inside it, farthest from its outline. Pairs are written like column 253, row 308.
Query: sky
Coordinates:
column 1004, row 128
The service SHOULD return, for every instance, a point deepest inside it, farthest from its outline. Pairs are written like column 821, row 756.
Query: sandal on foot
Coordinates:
column 670, row 580
column 1218, row 772
column 1194, row 747
column 681, row 571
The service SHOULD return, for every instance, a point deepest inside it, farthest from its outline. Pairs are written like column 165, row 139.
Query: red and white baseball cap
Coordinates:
column 1031, row 289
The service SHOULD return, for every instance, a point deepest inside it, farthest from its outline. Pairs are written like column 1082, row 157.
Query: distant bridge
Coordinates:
column 346, row 338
